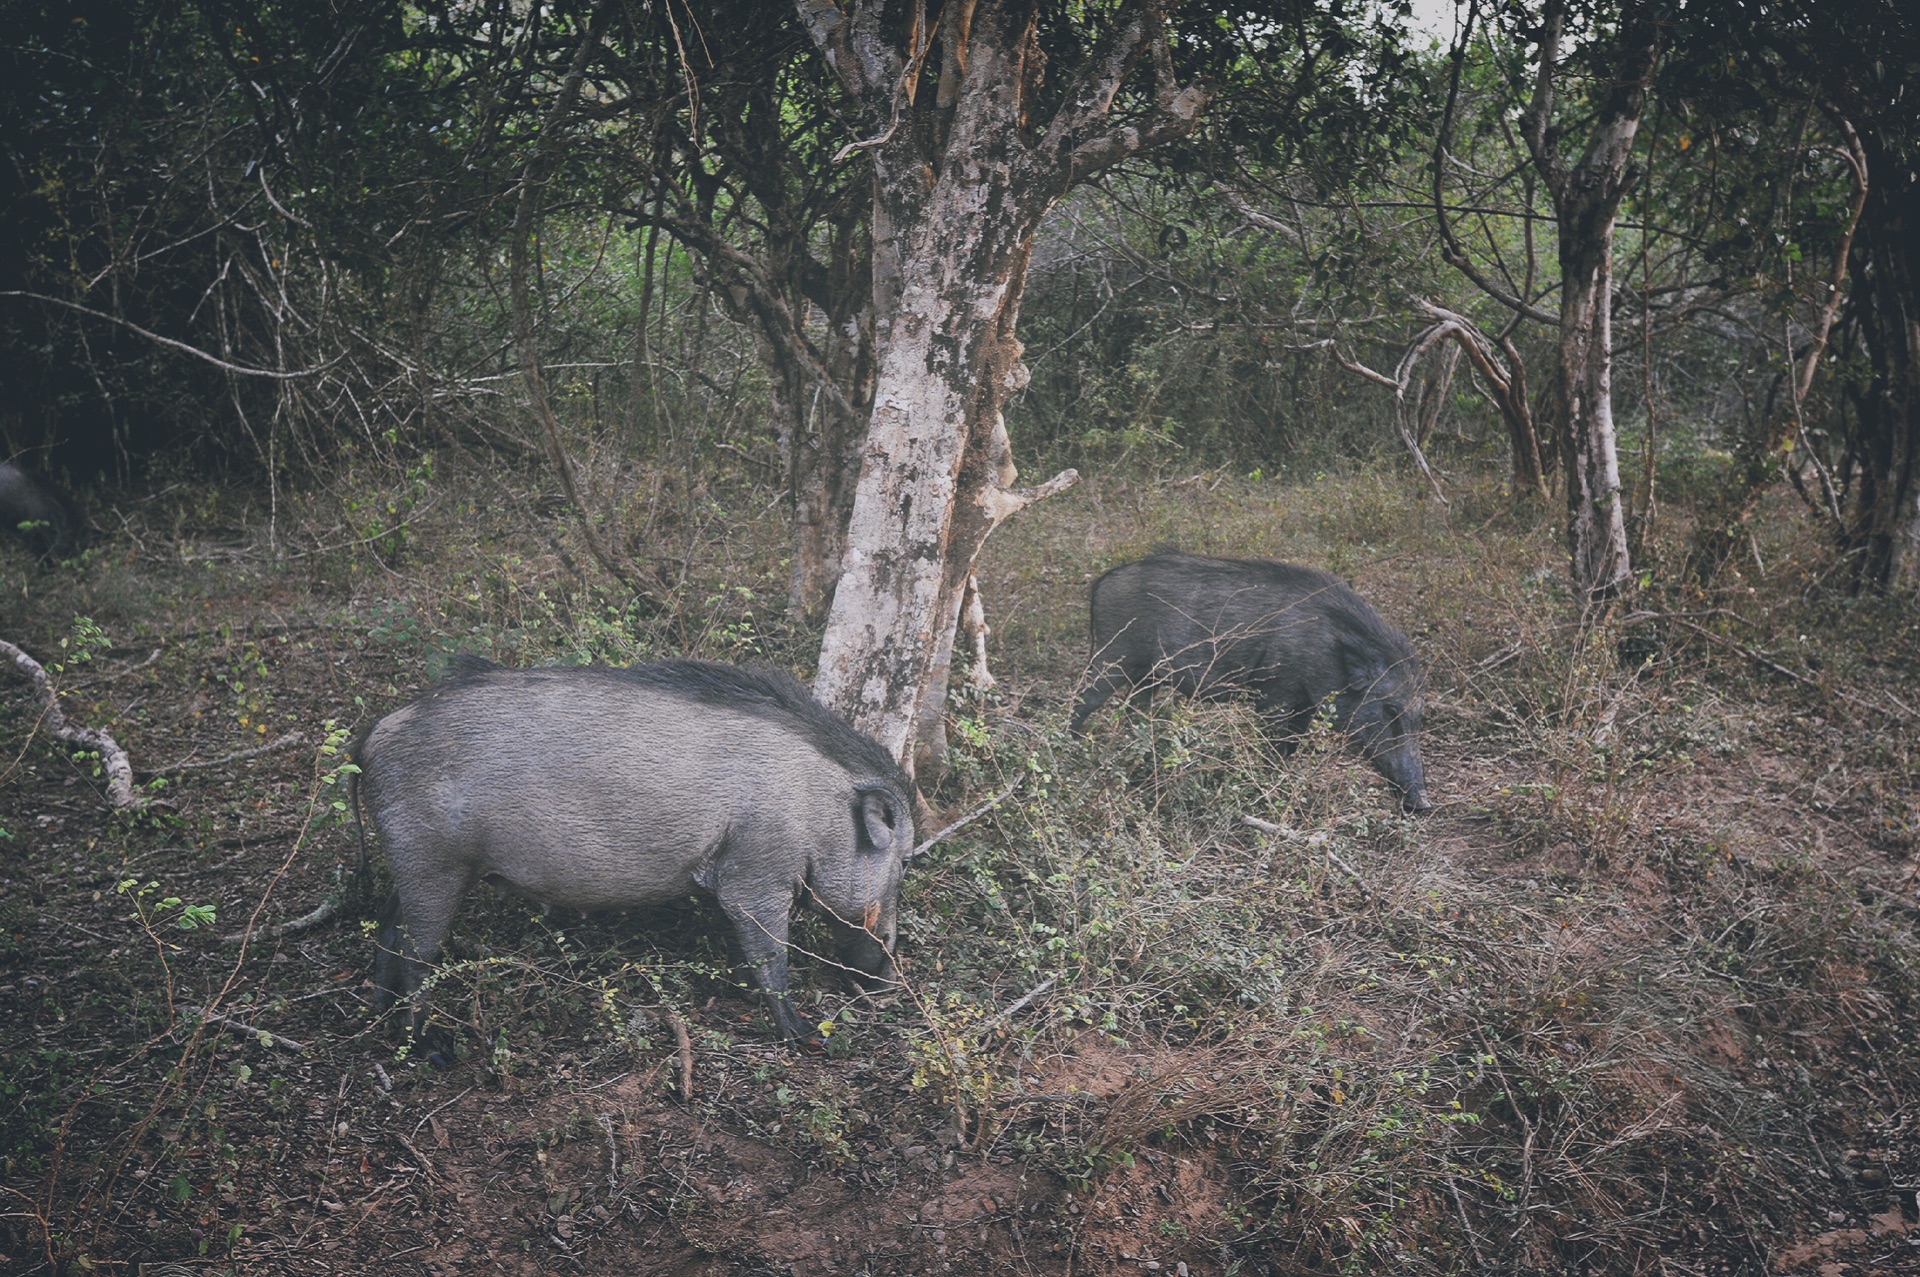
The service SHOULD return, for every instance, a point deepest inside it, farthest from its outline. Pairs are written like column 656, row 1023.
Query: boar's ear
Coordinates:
column 875, row 813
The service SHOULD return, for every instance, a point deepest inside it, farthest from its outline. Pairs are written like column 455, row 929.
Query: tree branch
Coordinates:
column 238, row 370
column 1003, row 503
column 532, row 182
column 1090, row 100
column 1451, row 250
column 1265, row 221
column 112, row 758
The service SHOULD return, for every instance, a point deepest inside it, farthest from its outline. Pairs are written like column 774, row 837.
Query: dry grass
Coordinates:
column 1634, row 998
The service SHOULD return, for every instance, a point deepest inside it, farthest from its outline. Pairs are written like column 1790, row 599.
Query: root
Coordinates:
column 336, row 900
column 112, row 757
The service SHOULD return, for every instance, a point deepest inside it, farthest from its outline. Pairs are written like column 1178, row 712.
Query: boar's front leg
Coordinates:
column 760, row 921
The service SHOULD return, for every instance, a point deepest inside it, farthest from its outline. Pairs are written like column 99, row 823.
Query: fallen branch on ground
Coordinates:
column 967, row 819
column 336, row 901
column 1325, row 844
column 291, row 738
column 1019, row 1004
column 685, row 1044
column 259, row 1034
column 112, row 758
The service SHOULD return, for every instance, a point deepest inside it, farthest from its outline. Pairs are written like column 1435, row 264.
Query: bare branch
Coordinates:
column 112, row 758
column 973, row 815
column 238, row 370
column 1002, row 503
column 270, row 1039
column 1090, row 100
column 532, row 182
column 1129, row 140
column 1265, row 221
column 291, row 738
column 1451, row 250
column 1856, row 159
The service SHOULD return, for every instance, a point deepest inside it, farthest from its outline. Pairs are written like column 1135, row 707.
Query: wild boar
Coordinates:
column 31, row 510
column 600, row 788
column 1291, row 638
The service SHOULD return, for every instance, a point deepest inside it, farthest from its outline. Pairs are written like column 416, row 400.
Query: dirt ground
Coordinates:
column 176, row 1104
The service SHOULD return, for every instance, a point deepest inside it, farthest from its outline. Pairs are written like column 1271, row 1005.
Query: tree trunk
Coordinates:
column 1882, row 527
column 1586, row 198
column 959, row 190
column 1589, row 449
column 920, row 512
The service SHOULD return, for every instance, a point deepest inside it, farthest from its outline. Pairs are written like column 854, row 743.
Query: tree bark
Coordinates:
column 1589, row 446
column 1882, row 521
column 959, row 190
column 1586, row 198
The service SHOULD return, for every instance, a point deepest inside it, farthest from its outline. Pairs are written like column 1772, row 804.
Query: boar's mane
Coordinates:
column 773, row 695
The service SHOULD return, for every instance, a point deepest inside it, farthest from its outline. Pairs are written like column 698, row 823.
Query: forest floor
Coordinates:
column 1638, row 996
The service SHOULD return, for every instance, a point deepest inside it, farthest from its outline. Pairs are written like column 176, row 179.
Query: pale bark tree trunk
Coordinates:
column 1586, row 198
column 1589, row 446
column 961, row 179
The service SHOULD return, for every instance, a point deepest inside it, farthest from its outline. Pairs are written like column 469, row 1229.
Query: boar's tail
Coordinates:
column 359, row 818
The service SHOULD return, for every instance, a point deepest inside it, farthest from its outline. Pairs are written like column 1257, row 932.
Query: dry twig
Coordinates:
column 968, row 819
column 280, row 742
column 685, row 1044
column 262, row 1035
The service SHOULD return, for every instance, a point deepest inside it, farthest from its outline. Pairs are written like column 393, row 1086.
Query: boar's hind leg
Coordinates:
column 761, row 927
column 408, row 941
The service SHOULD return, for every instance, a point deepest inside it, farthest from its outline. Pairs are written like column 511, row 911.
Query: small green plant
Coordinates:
column 334, row 747
column 384, row 520
column 83, row 641
column 149, row 912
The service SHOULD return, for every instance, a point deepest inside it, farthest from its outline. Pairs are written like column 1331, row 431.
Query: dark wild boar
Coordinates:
column 1288, row 637
column 36, row 514
column 598, row 788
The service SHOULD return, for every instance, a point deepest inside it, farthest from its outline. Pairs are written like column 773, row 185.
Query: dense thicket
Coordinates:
column 256, row 234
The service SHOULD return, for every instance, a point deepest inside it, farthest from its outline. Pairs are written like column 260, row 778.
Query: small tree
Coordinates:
column 1586, row 183
column 971, row 142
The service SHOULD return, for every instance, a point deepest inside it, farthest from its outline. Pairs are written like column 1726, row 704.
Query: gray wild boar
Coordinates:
column 1288, row 637
column 599, row 788
column 36, row 514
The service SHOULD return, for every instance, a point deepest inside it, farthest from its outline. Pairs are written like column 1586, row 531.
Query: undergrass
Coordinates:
column 1636, row 989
